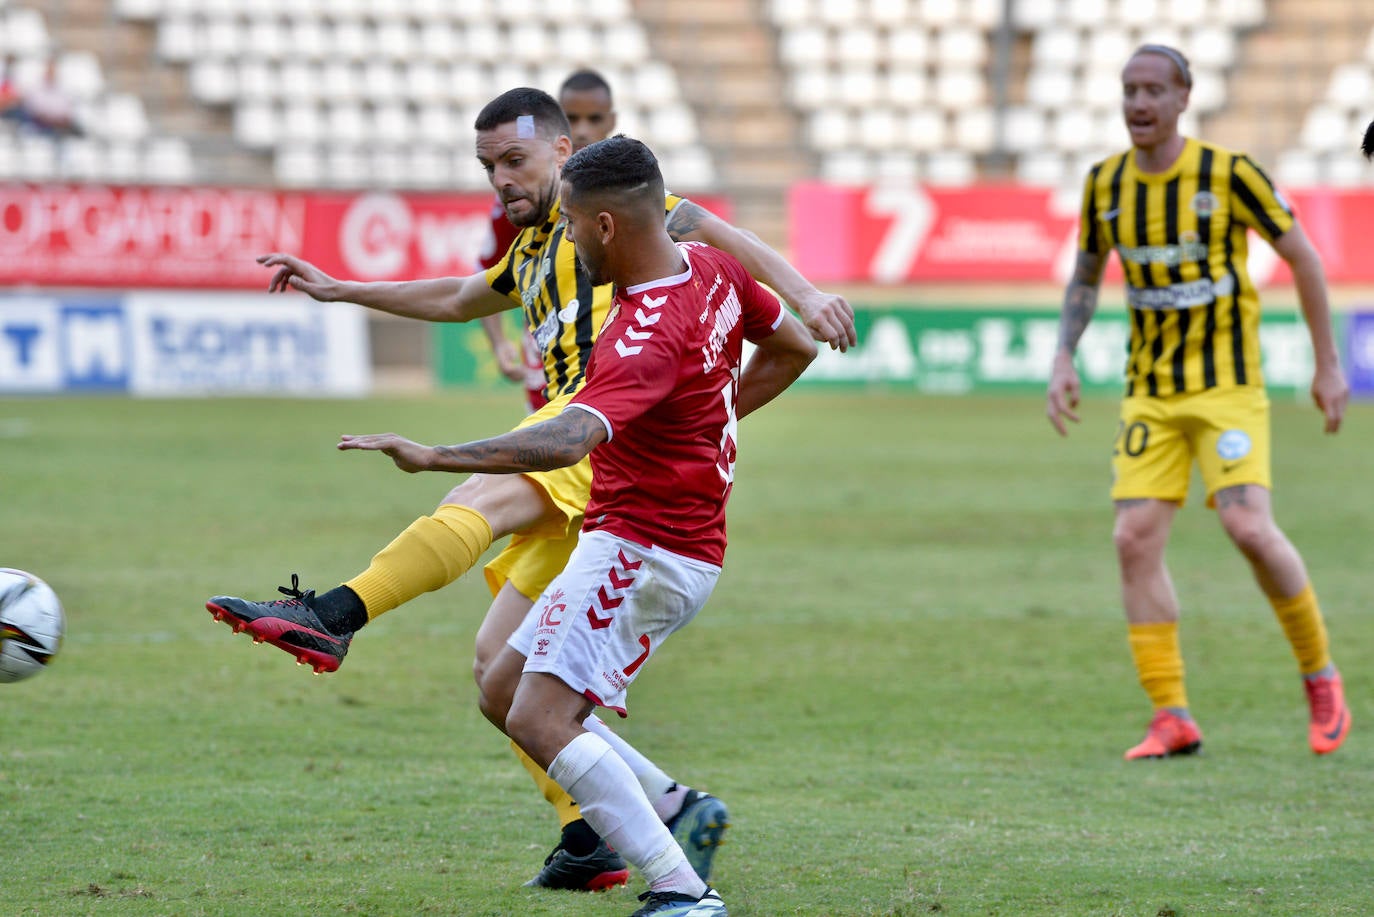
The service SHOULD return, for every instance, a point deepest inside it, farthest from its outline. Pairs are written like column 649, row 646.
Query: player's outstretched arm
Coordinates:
column 827, row 316
column 442, row 299
column 1080, row 304
column 1330, row 391
column 776, row 363
column 557, row 442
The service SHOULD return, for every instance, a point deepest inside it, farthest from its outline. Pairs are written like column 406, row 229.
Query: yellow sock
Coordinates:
column 1301, row 620
column 432, row 552
column 1159, row 663
column 562, row 803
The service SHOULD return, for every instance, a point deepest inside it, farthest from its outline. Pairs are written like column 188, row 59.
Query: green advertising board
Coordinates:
column 953, row 350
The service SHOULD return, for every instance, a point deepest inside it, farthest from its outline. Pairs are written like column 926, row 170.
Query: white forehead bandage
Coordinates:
column 524, row 127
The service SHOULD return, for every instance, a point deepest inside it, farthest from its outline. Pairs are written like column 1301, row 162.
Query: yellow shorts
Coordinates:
column 1225, row 430
column 534, row 557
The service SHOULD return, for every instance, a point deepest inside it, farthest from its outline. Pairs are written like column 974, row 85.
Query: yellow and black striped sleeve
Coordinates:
column 1257, row 203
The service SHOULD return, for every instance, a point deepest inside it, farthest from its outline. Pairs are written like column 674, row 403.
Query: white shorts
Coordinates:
column 610, row 609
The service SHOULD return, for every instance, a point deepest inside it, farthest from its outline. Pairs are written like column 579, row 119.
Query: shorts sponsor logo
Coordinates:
column 1232, row 446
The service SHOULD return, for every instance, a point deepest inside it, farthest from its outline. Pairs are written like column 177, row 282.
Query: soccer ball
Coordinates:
column 31, row 625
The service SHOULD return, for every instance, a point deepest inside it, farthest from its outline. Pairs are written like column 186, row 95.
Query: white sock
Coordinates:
column 650, row 777
column 615, row 806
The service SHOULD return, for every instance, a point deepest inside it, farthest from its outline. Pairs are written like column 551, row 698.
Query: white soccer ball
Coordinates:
column 31, row 625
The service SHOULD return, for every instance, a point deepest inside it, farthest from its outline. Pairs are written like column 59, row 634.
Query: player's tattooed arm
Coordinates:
column 685, row 220
column 555, row 443
column 1080, row 299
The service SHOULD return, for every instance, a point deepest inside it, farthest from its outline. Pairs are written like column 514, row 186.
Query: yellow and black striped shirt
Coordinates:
column 1181, row 238
column 563, row 311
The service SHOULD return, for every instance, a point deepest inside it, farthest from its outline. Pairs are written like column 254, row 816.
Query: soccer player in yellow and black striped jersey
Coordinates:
column 522, row 143
column 1177, row 212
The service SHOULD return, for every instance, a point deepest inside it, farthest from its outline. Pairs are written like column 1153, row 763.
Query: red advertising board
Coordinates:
column 1009, row 233
column 208, row 237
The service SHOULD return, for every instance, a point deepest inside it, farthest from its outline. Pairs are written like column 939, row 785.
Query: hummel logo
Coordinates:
column 654, row 303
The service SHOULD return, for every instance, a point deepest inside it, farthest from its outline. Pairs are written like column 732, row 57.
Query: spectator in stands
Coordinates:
column 11, row 102
column 48, row 108
column 1177, row 211
column 1367, row 146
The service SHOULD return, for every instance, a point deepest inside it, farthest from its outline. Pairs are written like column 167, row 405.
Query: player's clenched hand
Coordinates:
column 829, row 318
column 1062, row 397
column 1331, row 393
column 301, row 274
column 409, row 456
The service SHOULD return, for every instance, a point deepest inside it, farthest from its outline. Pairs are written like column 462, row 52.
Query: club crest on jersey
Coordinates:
column 1204, row 203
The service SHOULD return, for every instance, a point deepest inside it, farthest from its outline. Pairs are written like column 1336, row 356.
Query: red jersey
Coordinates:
column 664, row 379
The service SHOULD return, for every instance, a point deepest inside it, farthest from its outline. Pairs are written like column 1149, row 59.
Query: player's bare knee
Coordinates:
column 1254, row 535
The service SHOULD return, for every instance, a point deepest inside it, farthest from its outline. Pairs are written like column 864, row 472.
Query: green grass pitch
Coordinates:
column 912, row 685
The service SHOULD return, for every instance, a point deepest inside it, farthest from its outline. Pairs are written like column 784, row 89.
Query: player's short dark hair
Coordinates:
column 585, row 80
column 1185, row 74
column 549, row 120
column 1367, row 145
column 618, row 166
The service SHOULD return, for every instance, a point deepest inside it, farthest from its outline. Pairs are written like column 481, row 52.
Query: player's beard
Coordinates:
column 595, row 270
column 539, row 210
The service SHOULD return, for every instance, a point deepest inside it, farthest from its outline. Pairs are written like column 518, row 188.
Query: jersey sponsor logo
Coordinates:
column 1168, row 255
column 531, row 290
column 1180, row 295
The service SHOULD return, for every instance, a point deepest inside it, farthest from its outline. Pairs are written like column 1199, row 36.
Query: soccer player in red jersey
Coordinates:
column 523, row 139
column 659, row 416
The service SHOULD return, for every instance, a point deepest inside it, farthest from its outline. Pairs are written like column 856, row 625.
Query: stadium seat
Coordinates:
column 213, row 81
column 168, row 161
column 858, row 87
column 950, row 167
column 960, row 47
column 838, row 13
column 255, row 124
column 906, row 87
column 925, row 130
column 975, row 129
column 805, row 46
column 24, row 32
column 908, row 46
column 878, row 128
column 888, row 13
column 1032, row 15
column 1324, row 128
column 857, row 45
column 846, row 167
column 938, row 13
column 898, row 167
column 1057, row 46
column 957, row 88
column 1045, row 168
column 1351, row 86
